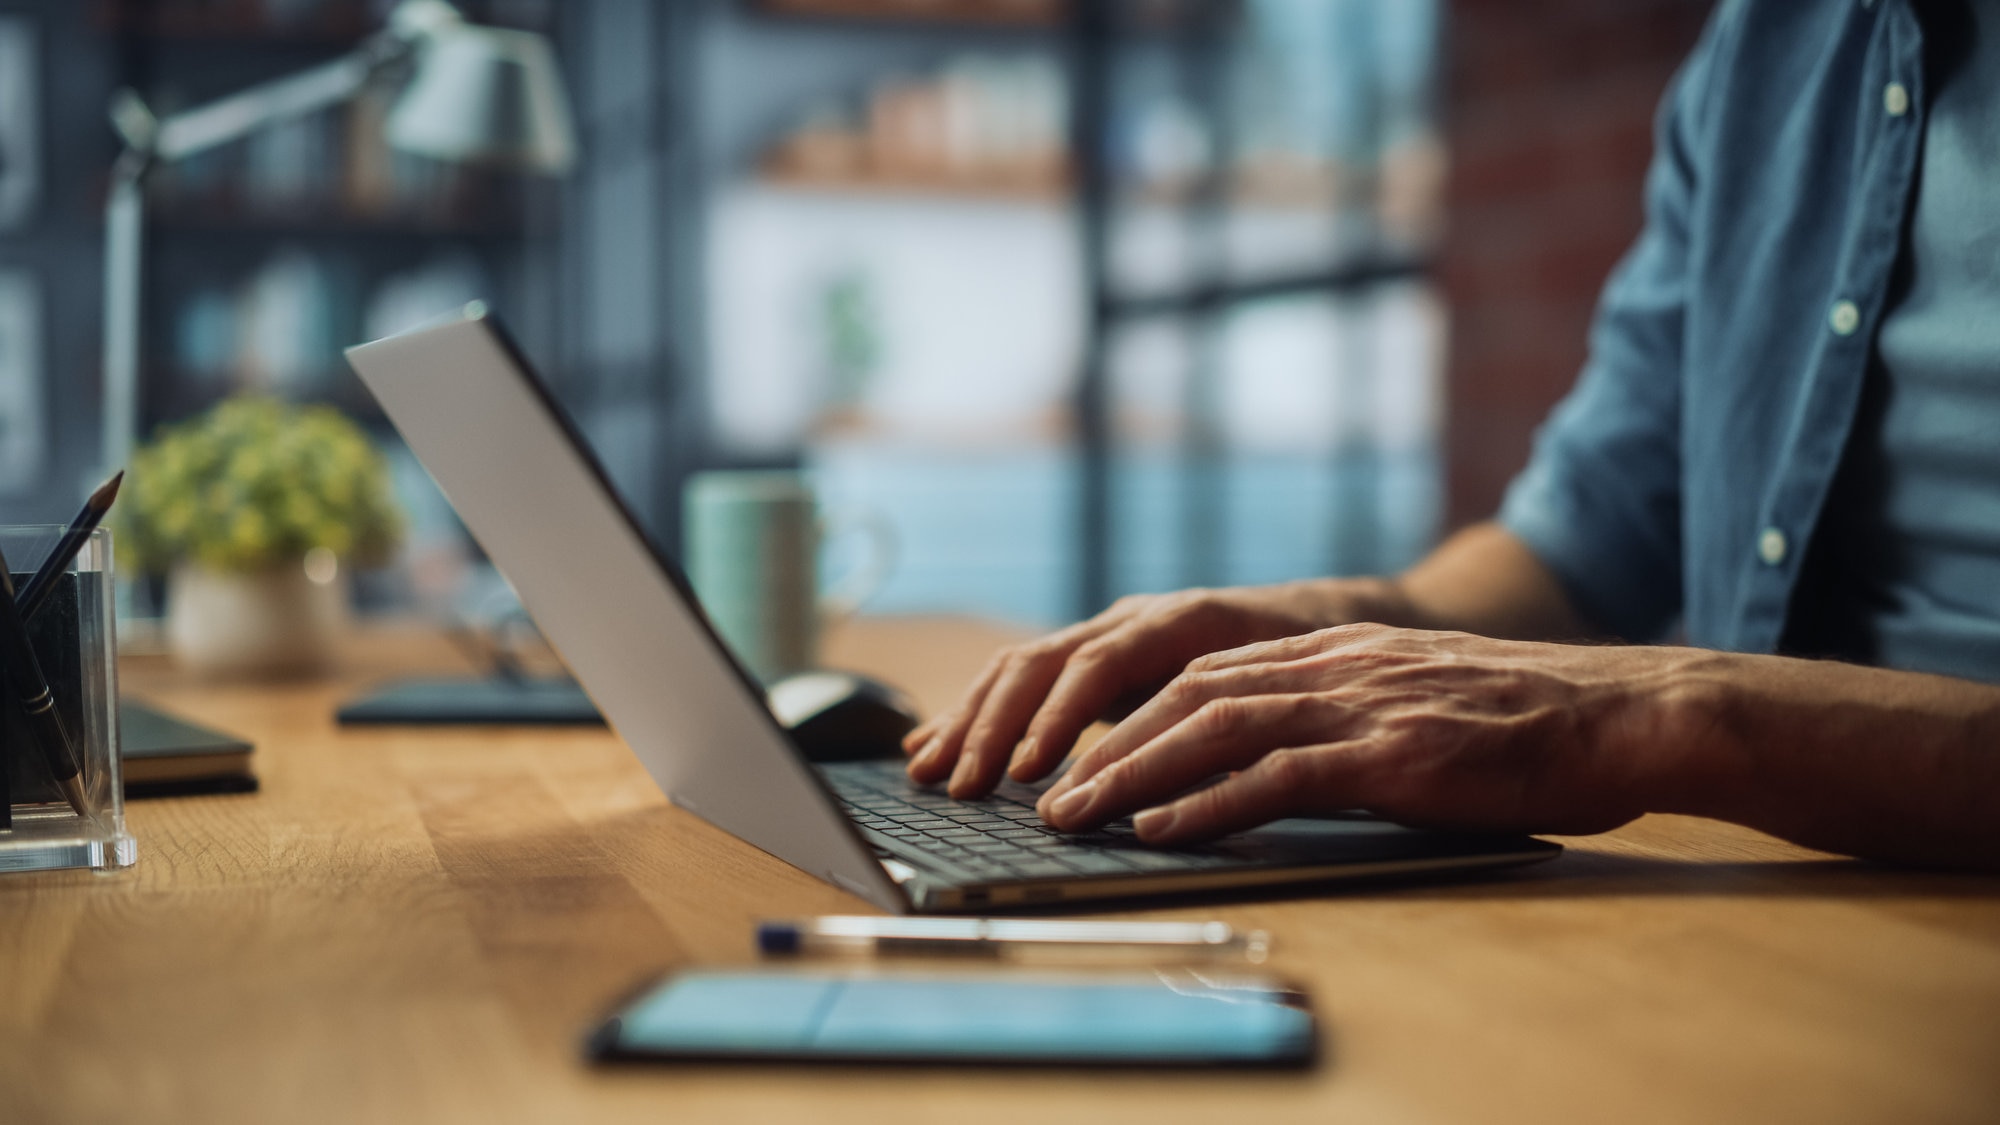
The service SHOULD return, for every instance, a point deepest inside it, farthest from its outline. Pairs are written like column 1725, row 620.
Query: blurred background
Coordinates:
column 1083, row 297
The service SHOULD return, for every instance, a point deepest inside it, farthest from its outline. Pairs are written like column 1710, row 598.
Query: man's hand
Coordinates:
column 1033, row 700
column 1440, row 729
column 1451, row 730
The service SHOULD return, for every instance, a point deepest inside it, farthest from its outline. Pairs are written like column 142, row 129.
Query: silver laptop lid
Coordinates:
column 619, row 614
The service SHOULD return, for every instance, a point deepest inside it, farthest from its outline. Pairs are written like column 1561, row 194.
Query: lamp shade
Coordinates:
column 482, row 95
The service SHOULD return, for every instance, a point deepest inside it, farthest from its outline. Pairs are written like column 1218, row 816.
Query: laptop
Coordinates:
column 624, row 619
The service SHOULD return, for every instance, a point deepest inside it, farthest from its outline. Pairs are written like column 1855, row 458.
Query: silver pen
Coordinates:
column 1003, row 937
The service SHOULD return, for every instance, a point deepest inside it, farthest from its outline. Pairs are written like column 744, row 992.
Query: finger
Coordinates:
column 1283, row 783
column 1002, row 719
column 933, row 762
column 922, row 733
column 1153, row 647
column 1092, row 680
column 1225, row 734
column 1020, row 684
column 1185, row 695
column 1287, row 649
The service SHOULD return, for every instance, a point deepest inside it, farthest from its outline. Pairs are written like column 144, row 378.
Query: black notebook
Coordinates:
column 164, row 756
column 552, row 702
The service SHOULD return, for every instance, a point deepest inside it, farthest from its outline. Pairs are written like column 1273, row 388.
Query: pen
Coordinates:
column 38, row 704
column 37, row 589
column 995, row 937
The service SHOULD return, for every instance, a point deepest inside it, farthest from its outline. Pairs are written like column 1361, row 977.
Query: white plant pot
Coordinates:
column 265, row 624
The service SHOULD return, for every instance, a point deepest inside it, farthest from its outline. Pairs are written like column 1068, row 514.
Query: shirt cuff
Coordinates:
column 1619, row 590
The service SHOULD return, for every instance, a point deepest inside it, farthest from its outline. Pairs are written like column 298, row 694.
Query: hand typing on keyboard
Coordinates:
column 1032, row 701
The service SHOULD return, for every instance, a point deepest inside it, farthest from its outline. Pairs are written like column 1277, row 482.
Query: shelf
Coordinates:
column 986, row 13
column 1044, row 186
column 339, row 24
column 1025, row 187
column 329, row 222
column 1162, row 17
column 174, row 394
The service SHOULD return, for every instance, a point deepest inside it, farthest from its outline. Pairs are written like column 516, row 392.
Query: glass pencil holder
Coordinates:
column 74, row 637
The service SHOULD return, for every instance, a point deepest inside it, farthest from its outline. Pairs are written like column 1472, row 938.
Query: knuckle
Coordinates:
column 1197, row 606
column 1219, row 716
column 1095, row 653
column 1292, row 770
column 1089, row 767
column 1358, row 631
column 1188, row 690
column 1207, row 662
column 1055, row 646
column 1114, row 777
column 1019, row 657
column 1218, row 803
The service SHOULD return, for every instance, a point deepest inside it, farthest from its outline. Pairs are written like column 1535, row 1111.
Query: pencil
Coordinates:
column 38, row 703
column 38, row 588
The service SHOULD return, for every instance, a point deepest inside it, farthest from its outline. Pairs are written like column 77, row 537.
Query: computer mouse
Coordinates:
column 842, row 716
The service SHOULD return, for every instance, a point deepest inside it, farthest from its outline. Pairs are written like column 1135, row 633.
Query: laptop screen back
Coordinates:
column 617, row 612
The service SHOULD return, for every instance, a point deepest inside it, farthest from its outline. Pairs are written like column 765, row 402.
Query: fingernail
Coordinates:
column 1155, row 823
column 928, row 754
column 961, row 774
column 1073, row 803
column 1022, row 754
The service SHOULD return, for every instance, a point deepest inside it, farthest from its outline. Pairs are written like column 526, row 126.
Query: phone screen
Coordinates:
column 1135, row 1019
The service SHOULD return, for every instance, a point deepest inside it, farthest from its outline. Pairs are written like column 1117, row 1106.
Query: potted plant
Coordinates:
column 254, row 511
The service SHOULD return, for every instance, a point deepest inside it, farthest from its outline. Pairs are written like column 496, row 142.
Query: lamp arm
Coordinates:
column 149, row 143
column 322, row 87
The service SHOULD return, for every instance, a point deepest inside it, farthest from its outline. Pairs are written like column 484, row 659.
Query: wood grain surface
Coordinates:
column 410, row 925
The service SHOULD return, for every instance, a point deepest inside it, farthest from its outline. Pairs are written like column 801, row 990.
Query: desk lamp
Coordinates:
column 474, row 95
column 469, row 94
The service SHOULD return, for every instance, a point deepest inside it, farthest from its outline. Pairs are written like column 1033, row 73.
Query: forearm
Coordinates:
column 1863, row 761
column 1484, row 580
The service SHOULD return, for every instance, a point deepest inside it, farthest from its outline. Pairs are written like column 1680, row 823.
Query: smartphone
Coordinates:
column 1129, row 1019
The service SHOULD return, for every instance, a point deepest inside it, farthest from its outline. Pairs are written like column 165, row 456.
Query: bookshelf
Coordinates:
column 267, row 256
column 972, row 13
column 1181, row 220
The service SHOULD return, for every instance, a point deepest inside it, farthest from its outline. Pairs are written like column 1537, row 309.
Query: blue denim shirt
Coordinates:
column 1685, row 473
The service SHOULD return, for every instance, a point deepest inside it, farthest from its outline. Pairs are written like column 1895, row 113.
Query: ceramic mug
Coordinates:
column 751, row 544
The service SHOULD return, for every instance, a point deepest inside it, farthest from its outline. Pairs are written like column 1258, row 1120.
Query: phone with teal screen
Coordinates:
column 1156, row 1018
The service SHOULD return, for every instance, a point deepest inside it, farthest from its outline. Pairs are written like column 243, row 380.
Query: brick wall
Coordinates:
column 1550, row 106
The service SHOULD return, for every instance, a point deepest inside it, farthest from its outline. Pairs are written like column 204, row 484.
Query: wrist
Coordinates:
column 1382, row 601
column 1326, row 602
column 1684, row 736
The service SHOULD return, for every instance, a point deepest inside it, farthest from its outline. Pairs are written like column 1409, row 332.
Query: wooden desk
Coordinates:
column 418, row 926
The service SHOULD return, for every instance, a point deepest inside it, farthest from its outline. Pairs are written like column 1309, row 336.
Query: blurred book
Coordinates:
column 166, row 756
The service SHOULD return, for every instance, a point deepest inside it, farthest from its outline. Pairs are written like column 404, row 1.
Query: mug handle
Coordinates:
column 848, row 596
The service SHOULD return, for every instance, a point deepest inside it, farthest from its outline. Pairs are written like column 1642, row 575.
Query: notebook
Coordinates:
column 166, row 756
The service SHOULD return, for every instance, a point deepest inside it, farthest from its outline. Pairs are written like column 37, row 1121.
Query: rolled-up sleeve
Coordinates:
column 1600, row 500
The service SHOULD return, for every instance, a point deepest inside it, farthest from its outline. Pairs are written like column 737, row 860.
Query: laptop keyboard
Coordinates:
column 1001, row 837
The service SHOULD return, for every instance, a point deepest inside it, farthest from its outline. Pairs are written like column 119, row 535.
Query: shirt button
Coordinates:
column 1844, row 318
column 1896, row 99
column 1771, row 546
